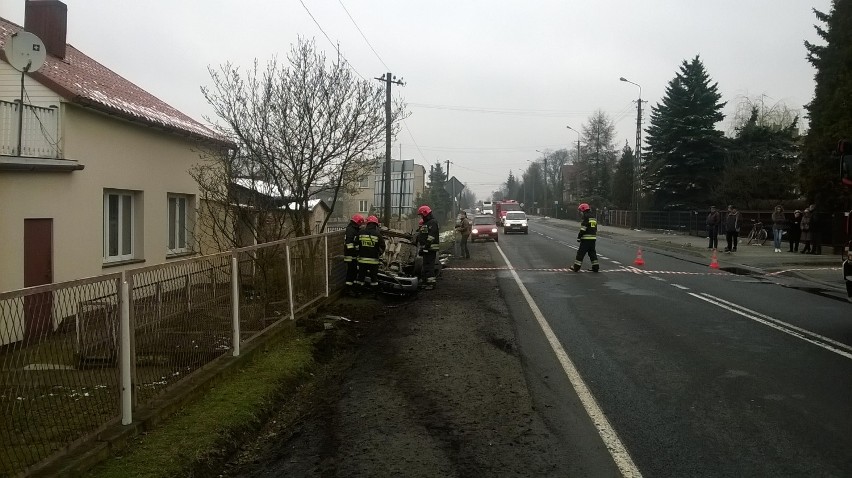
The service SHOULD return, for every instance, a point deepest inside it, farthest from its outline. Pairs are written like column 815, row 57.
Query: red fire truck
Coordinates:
column 501, row 207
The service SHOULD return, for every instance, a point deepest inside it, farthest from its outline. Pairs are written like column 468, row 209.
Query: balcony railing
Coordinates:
column 39, row 131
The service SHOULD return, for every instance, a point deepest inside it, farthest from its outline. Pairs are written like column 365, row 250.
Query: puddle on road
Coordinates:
column 629, row 289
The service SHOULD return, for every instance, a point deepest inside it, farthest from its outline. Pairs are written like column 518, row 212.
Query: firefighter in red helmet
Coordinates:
column 371, row 246
column 350, row 252
column 429, row 241
column 587, row 237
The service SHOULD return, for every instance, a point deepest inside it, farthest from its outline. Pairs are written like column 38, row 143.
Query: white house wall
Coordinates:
column 117, row 155
column 36, row 93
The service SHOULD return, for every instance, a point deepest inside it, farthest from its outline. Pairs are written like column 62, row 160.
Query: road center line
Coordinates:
column 789, row 329
column 608, row 434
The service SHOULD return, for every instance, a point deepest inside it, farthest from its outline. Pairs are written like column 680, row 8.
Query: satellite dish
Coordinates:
column 25, row 52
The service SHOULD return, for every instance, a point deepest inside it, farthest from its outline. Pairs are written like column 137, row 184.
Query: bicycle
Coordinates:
column 758, row 235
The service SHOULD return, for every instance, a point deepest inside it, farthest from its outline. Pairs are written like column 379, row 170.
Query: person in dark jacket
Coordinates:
column 350, row 252
column 816, row 230
column 587, row 237
column 732, row 228
column 794, row 231
column 429, row 241
column 463, row 227
column 714, row 220
column 371, row 246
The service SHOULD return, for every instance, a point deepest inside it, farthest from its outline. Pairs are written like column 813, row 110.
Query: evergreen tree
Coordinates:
column 622, row 182
column 436, row 196
column 683, row 150
column 760, row 167
column 830, row 111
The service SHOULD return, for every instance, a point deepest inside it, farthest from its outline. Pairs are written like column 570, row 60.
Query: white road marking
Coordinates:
column 681, row 287
column 610, row 437
column 789, row 329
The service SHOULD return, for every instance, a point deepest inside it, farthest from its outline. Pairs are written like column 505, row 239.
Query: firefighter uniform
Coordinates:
column 587, row 237
column 429, row 241
column 371, row 246
column 350, row 250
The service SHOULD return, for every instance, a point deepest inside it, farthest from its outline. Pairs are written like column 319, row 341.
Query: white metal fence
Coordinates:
column 84, row 355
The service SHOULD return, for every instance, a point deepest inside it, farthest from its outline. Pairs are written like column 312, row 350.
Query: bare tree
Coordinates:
column 301, row 129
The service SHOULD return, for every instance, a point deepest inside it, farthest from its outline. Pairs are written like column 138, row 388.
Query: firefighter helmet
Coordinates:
column 358, row 219
column 372, row 219
column 583, row 207
column 424, row 210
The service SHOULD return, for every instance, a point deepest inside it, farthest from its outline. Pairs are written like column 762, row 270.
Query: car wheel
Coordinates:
column 526, row 231
column 496, row 238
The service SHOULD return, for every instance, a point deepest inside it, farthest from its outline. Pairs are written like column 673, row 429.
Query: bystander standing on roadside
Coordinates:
column 806, row 231
column 794, row 231
column 463, row 227
column 732, row 228
column 816, row 236
column 714, row 220
column 779, row 221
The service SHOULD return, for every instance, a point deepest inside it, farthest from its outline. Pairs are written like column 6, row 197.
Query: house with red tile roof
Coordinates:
column 96, row 178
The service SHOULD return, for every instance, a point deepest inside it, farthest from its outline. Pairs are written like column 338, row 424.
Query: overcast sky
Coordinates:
column 487, row 82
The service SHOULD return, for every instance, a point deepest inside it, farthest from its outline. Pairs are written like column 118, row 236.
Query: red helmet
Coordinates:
column 424, row 210
column 583, row 207
column 358, row 219
column 372, row 219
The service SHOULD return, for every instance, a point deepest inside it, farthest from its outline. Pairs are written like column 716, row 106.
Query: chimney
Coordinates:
column 48, row 20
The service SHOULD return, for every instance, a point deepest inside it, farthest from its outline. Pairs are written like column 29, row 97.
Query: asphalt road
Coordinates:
column 682, row 370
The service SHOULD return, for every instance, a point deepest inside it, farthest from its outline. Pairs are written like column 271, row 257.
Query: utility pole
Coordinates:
column 637, row 167
column 453, row 193
column 389, row 80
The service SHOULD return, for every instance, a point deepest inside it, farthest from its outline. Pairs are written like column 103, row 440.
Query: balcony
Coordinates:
column 34, row 146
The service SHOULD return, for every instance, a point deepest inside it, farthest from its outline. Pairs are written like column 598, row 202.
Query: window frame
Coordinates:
column 125, row 230
column 363, row 205
column 174, row 228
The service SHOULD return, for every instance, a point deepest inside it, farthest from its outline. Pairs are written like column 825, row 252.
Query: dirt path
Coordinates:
column 431, row 386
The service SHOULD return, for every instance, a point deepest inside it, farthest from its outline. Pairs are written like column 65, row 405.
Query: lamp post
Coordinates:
column 637, row 168
column 544, row 175
column 578, row 147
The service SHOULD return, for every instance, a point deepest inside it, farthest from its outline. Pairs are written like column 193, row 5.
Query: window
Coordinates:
column 179, row 225
column 365, row 183
column 119, row 225
column 362, row 205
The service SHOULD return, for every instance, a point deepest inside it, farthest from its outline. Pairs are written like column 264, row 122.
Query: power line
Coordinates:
column 336, row 46
column 363, row 36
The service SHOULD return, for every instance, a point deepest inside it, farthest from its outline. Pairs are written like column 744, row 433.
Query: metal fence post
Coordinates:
column 235, row 302
column 289, row 280
column 327, row 265
column 126, row 389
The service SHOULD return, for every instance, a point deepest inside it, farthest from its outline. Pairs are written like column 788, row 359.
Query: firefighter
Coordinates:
column 350, row 251
column 371, row 246
column 587, row 237
column 429, row 241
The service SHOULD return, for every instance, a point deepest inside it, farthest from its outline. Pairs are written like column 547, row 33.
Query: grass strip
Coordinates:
column 219, row 419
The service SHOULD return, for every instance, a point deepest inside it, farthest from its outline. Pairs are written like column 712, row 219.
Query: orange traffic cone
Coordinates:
column 639, row 261
column 714, row 263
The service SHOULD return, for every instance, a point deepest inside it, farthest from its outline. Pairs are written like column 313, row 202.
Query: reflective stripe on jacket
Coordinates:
column 371, row 245
column 428, row 234
column 350, row 244
column 588, row 229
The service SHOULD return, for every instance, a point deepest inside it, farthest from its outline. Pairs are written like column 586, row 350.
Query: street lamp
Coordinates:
column 544, row 156
column 637, row 169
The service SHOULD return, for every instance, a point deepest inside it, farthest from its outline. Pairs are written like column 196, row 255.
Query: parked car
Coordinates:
column 515, row 221
column 484, row 227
